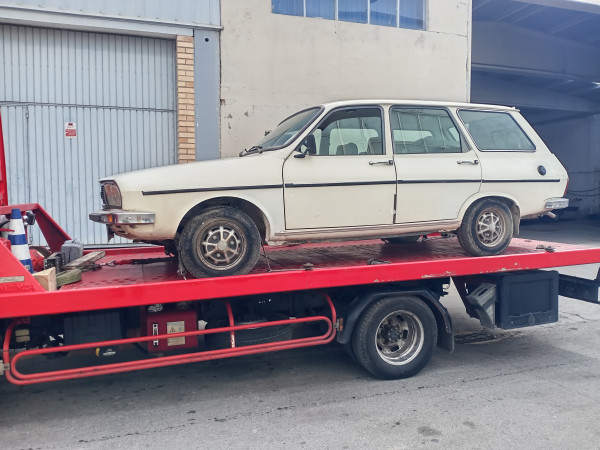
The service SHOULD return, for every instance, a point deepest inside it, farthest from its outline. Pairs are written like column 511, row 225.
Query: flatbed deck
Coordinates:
column 120, row 282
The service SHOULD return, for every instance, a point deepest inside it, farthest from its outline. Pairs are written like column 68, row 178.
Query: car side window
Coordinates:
column 351, row 131
column 495, row 131
column 424, row 131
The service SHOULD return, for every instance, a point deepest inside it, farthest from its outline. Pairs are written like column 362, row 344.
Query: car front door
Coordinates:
column 437, row 172
column 349, row 180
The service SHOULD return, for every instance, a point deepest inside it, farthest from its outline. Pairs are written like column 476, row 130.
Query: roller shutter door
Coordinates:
column 119, row 91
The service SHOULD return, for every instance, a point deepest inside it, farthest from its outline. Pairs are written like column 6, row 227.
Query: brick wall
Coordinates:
column 186, row 136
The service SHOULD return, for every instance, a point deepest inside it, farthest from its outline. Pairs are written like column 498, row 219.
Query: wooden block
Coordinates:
column 68, row 277
column 47, row 278
column 85, row 260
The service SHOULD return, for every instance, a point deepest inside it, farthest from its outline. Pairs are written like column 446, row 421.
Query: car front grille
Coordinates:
column 103, row 196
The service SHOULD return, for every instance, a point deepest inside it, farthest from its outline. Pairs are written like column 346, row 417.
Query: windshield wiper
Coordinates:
column 253, row 149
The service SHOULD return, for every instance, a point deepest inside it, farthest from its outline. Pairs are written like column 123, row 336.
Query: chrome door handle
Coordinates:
column 468, row 161
column 389, row 162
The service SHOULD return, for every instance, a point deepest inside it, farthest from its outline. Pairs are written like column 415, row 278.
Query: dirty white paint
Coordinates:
column 273, row 65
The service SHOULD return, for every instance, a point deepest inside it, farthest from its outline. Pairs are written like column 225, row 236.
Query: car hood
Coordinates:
column 252, row 170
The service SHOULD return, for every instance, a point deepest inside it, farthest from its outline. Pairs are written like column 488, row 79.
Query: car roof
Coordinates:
column 337, row 104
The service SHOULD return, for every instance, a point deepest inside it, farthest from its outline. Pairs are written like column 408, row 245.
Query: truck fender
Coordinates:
column 354, row 310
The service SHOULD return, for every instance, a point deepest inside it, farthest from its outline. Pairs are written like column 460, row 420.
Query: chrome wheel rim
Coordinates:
column 221, row 246
column 491, row 227
column 399, row 338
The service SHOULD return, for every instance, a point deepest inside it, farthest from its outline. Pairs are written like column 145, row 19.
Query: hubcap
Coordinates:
column 399, row 338
column 491, row 228
column 221, row 246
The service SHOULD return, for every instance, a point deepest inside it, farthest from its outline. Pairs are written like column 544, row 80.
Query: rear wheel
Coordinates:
column 218, row 242
column 486, row 229
column 395, row 337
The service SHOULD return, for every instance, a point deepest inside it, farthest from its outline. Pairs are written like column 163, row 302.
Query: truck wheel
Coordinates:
column 395, row 337
column 486, row 229
column 218, row 242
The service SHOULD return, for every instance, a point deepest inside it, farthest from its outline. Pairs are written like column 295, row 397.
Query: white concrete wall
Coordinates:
column 273, row 64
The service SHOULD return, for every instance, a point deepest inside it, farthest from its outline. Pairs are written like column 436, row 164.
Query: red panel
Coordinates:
column 14, row 277
column 169, row 322
column 335, row 264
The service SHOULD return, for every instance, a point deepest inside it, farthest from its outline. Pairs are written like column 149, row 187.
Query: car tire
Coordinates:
column 220, row 241
column 395, row 337
column 401, row 240
column 486, row 229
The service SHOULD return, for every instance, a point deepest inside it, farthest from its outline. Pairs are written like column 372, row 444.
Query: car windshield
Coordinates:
column 288, row 129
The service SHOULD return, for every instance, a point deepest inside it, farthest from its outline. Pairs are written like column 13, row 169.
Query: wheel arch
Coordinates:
column 254, row 212
column 508, row 200
column 430, row 298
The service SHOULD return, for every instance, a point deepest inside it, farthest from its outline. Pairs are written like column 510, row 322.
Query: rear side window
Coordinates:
column 423, row 131
column 495, row 131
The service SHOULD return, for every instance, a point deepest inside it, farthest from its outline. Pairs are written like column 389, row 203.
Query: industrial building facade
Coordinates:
column 92, row 88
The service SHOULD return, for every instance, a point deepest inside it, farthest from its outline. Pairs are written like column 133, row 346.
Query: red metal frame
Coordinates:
column 3, row 182
column 16, row 377
column 435, row 259
column 55, row 236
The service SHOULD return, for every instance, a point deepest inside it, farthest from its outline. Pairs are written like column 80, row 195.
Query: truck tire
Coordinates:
column 395, row 337
column 218, row 242
column 486, row 229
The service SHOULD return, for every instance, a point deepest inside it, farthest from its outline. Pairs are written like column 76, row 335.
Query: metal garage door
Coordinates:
column 118, row 91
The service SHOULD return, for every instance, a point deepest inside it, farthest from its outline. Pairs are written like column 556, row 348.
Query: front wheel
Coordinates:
column 218, row 242
column 486, row 229
column 395, row 337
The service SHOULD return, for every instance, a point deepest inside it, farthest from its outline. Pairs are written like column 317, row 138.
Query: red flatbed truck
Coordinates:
column 381, row 301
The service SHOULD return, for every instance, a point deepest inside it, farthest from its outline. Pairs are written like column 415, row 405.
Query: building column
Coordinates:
column 186, row 124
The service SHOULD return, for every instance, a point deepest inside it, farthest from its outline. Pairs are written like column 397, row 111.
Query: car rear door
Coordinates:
column 437, row 171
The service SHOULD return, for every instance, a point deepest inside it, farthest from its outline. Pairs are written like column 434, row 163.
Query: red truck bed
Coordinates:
column 293, row 268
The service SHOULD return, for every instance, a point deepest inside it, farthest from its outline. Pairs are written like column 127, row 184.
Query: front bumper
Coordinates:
column 557, row 203
column 116, row 217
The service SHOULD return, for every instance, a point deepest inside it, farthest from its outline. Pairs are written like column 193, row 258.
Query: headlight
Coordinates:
column 111, row 196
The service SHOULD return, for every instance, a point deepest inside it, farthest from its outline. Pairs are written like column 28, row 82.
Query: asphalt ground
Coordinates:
column 534, row 388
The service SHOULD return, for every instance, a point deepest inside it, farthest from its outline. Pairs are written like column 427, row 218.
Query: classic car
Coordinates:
column 394, row 170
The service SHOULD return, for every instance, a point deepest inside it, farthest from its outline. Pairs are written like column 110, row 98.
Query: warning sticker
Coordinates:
column 176, row 327
column 70, row 130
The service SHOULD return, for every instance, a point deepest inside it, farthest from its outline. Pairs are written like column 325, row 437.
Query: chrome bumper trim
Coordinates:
column 122, row 217
column 557, row 203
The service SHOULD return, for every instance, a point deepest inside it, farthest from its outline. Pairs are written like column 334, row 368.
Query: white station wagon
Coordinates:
column 394, row 170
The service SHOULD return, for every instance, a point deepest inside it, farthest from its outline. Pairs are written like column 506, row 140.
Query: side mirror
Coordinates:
column 310, row 145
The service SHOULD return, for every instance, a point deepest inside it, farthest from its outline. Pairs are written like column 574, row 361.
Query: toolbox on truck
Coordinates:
column 526, row 299
column 515, row 299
